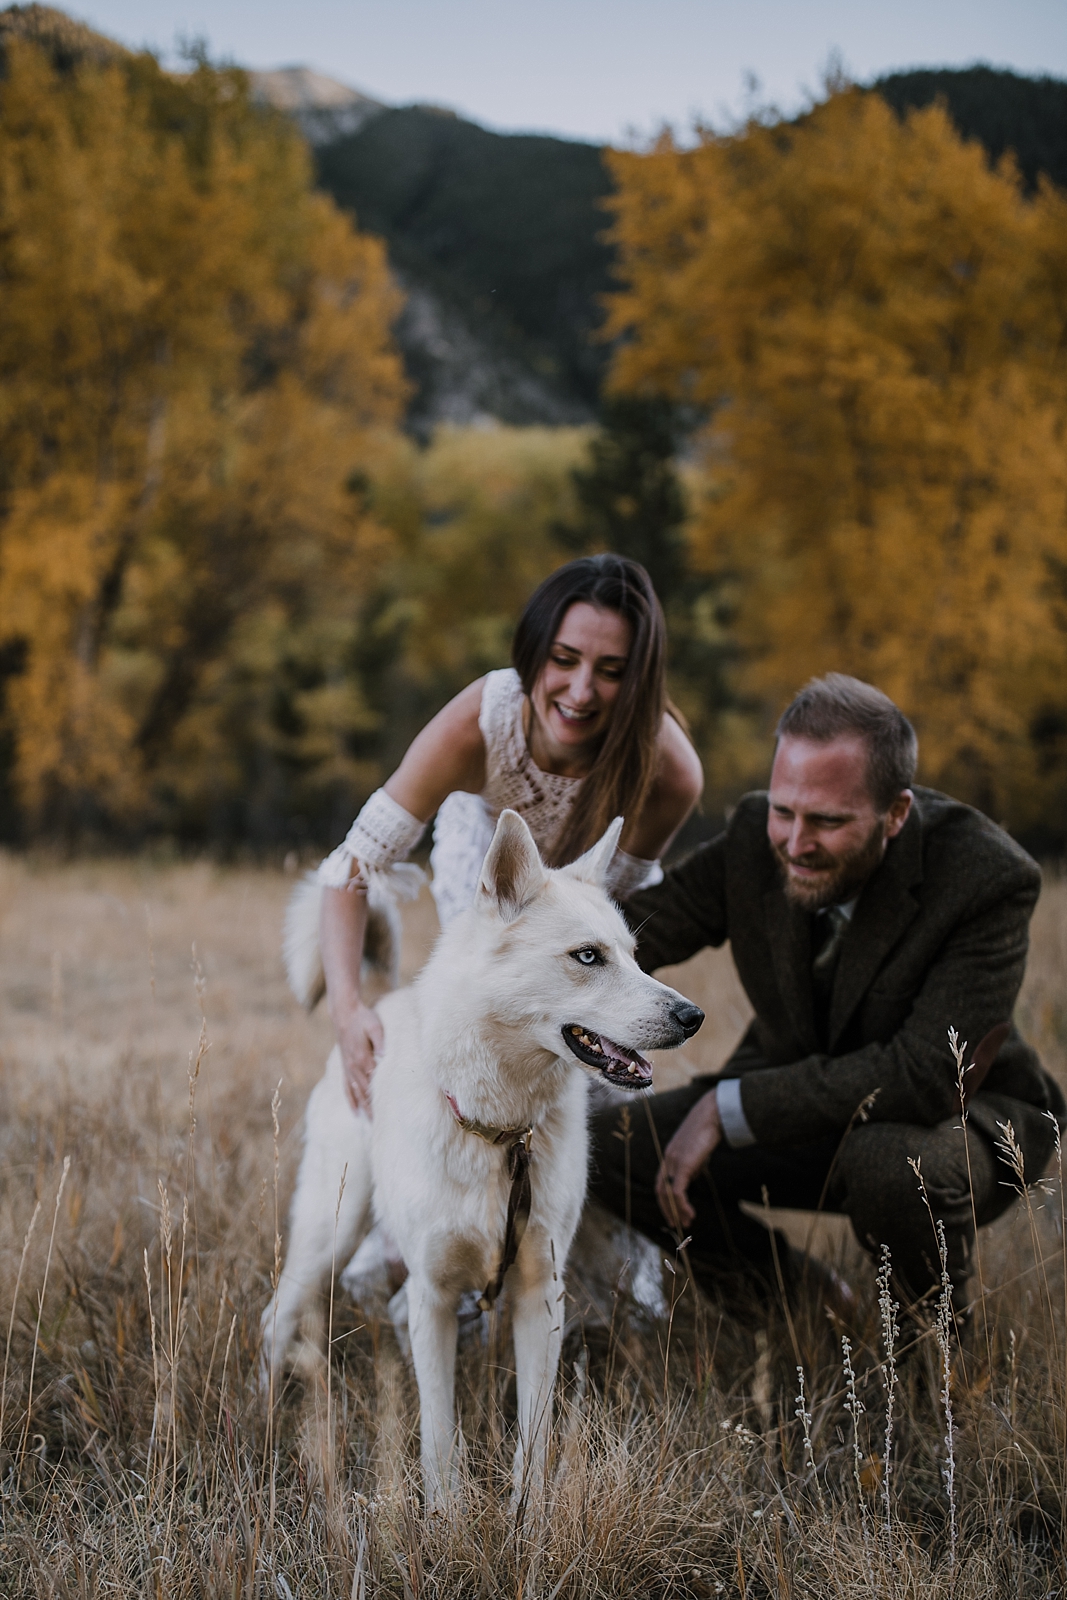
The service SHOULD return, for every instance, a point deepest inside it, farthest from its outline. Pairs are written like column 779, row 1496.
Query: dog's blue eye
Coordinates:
column 587, row 956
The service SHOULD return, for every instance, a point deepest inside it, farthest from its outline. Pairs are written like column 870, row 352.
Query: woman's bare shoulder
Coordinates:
column 676, row 788
column 679, row 773
column 448, row 754
column 460, row 715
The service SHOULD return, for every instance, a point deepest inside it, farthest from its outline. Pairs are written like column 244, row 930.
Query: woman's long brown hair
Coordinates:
column 617, row 785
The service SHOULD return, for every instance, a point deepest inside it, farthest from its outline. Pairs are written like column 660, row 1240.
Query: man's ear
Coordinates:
column 512, row 873
column 898, row 813
column 593, row 866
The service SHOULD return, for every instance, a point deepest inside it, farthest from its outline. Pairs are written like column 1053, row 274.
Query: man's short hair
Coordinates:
column 837, row 707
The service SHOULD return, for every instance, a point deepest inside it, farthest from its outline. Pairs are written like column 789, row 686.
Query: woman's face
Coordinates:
column 578, row 684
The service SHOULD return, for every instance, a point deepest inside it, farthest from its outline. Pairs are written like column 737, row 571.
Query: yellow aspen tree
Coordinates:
column 195, row 358
column 872, row 322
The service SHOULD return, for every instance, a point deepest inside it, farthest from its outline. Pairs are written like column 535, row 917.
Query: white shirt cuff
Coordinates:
column 735, row 1126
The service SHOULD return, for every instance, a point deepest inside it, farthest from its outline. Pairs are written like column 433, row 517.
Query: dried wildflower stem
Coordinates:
column 944, row 1344
column 959, row 1052
column 888, row 1312
column 195, row 1063
column 855, row 1408
column 222, row 1401
column 1010, row 1148
column 276, row 1272
column 803, row 1416
column 943, row 1334
column 166, row 1308
column 14, row 1307
column 214, row 1348
column 179, row 1330
column 1063, row 1251
column 155, row 1364
column 359, row 1579
column 40, row 1311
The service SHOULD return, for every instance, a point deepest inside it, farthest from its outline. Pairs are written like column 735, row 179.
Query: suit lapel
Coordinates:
column 789, row 933
column 886, row 908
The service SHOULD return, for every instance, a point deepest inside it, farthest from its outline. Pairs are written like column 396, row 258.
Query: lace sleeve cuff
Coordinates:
column 629, row 873
column 381, row 835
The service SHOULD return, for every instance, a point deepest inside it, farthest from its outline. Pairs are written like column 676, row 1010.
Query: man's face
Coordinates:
column 823, row 827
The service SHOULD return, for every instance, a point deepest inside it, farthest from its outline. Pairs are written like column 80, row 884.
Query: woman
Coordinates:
column 577, row 732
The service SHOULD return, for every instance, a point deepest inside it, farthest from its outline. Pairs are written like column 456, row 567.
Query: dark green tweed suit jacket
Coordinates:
column 938, row 939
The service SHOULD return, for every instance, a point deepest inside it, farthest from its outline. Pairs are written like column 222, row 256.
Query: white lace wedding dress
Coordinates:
column 465, row 822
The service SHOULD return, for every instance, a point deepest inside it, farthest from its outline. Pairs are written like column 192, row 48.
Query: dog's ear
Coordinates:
column 512, row 873
column 593, row 866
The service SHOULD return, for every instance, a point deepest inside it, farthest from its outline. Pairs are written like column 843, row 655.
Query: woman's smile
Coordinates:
column 574, row 713
column 575, row 693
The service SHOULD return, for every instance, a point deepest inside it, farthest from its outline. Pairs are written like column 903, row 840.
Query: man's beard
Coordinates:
column 842, row 883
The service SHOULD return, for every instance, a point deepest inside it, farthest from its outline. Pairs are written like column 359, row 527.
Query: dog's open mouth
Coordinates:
column 626, row 1069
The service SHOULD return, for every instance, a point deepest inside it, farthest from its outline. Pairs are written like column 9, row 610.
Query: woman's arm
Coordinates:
column 448, row 754
column 675, row 790
column 342, row 926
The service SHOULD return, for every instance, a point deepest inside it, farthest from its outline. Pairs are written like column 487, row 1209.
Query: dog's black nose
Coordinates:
column 687, row 1016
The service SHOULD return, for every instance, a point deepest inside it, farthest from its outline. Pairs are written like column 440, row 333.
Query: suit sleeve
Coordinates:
column 684, row 913
column 972, row 985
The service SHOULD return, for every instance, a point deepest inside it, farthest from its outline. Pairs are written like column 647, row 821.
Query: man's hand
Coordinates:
column 360, row 1036
column 692, row 1144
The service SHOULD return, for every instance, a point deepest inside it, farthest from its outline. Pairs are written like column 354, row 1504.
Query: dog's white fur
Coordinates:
column 483, row 1022
column 381, row 944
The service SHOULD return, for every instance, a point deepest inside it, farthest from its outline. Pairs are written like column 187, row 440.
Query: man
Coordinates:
column 866, row 917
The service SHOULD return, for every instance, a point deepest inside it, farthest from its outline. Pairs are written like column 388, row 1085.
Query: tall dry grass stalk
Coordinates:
column 139, row 1454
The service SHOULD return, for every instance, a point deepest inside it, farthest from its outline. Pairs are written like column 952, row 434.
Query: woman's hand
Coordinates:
column 694, row 1140
column 360, row 1035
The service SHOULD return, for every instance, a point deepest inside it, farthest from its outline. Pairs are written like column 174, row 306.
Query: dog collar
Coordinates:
column 491, row 1135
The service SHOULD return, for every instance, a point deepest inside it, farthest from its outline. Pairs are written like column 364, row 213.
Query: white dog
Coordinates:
column 475, row 1157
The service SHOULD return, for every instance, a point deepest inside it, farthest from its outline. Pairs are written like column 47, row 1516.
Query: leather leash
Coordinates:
column 516, row 1142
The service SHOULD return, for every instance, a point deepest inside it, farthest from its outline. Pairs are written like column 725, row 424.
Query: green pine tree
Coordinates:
column 629, row 498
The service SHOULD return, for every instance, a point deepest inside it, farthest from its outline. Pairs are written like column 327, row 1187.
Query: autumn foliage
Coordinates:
column 231, row 589
column 872, row 325
column 195, row 362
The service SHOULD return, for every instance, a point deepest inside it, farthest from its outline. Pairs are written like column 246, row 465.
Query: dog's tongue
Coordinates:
column 626, row 1061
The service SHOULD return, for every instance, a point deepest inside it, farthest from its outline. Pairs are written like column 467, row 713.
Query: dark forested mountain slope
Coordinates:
column 1000, row 109
column 498, row 238
column 502, row 231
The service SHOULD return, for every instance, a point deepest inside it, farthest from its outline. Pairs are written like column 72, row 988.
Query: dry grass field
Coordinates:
column 153, row 1070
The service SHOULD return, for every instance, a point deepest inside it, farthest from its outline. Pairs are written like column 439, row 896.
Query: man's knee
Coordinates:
column 895, row 1180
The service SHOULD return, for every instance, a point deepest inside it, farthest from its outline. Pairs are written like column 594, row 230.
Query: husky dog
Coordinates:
column 475, row 1156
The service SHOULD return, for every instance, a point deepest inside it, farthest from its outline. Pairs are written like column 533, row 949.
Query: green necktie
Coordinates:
column 824, row 966
column 825, row 963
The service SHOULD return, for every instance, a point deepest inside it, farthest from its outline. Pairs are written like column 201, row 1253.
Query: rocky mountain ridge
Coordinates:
column 324, row 108
column 499, row 239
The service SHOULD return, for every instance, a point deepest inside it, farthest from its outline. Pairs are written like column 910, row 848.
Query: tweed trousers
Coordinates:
column 865, row 1176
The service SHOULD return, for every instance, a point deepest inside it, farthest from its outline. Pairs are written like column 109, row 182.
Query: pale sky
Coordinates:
column 597, row 69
